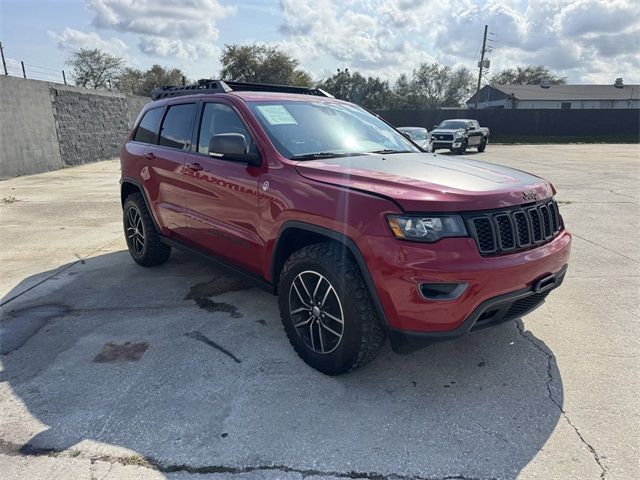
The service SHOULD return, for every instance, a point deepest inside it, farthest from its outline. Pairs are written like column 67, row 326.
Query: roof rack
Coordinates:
column 203, row 86
column 221, row 86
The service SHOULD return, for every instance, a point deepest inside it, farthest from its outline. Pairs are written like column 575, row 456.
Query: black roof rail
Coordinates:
column 203, row 86
column 222, row 86
column 266, row 87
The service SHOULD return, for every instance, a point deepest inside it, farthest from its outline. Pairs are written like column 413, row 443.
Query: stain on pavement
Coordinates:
column 202, row 294
column 123, row 352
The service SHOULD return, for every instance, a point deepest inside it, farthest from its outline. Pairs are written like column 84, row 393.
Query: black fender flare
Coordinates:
column 138, row 185
column 349, row 244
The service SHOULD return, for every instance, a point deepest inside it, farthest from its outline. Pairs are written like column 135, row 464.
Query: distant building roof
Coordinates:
column 568, row 92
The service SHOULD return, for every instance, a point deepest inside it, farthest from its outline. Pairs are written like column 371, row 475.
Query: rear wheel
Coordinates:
column 140, row 232
column 482, row 145
column 326, row 310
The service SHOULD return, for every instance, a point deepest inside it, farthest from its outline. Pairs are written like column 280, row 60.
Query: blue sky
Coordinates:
column 589, row 41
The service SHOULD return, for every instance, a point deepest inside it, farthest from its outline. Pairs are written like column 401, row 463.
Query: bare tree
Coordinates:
column 93, row 68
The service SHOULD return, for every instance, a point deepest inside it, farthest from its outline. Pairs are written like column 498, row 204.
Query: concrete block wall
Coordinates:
column 135, row 103
column 28, row 138
column 45, row 126
column 90, row 126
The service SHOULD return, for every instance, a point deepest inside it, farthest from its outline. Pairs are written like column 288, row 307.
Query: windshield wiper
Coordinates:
column 316, row 155
column 390, row 151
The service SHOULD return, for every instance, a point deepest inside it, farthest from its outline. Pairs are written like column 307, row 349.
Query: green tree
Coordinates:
column 159, row 76
column 459, row 87
column 527, row 75
column 261, row 64
column 403, row 93
column 130, row 81
column 370, row 92
column 437, row 86
column 93, row 68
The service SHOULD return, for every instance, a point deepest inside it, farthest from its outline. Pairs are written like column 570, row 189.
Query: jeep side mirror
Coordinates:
column 232, row 147
column 435, row 126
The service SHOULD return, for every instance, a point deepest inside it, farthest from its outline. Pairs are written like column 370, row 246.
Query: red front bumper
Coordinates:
column 398, row 268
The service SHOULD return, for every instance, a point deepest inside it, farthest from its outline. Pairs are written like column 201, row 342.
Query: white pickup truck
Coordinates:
column 459, row 134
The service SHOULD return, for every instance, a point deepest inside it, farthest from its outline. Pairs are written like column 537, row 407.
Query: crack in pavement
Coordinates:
column 522, row 333
column 13, row 449
column 624, row 195
column 58, row 271
column 604, row 248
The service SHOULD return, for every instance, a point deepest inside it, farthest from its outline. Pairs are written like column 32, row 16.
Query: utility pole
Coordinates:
column 24, row 73
column 484, row 46
column 4, row 64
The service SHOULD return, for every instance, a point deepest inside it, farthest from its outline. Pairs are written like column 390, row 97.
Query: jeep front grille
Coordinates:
column 513, row 229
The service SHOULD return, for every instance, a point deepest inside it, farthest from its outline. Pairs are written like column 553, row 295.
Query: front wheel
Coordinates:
column 326, row 310
column 463, row 147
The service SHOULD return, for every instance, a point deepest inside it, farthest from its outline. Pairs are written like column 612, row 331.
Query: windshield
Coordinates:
column 451, row 124
column 307, row 130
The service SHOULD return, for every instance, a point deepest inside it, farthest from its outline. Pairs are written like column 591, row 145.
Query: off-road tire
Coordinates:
column 463, row 147
column 363, row 333
column 153, row 252
column 482, row 145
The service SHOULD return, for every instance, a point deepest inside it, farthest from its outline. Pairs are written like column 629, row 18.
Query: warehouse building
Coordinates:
column 567, row 97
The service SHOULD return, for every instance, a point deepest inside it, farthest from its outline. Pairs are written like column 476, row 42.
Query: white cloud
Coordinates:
column 389, row 37
column 591, row 16
column 166, row 28
column 71, row 39
column 580, row 39
column 346, row 34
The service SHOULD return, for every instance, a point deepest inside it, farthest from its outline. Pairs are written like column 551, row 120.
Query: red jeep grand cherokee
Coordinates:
column 361, row 234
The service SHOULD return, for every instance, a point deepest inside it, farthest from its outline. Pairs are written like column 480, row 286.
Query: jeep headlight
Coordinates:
column 426, row 229
column 459, row 134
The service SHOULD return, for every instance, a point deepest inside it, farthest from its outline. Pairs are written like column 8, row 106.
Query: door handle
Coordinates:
column 149, row 155
column 196, row 167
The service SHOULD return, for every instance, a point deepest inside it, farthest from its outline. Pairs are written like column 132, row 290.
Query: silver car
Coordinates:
column 418, row 135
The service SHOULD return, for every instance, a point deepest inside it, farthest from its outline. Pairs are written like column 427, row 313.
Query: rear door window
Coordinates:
column 177, row 126
column 147, row 131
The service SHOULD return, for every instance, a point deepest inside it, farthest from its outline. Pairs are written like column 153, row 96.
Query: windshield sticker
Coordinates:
column 277, row 115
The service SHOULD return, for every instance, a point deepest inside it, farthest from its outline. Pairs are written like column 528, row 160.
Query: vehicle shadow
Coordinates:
column 190, row 369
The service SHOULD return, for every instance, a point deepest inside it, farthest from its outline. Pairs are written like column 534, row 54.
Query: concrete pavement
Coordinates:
column 109, row 370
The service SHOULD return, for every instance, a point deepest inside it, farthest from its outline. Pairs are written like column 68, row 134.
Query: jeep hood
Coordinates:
column 426, row 182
